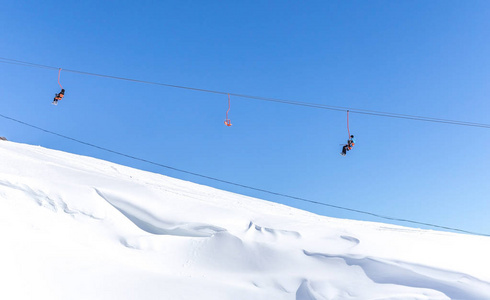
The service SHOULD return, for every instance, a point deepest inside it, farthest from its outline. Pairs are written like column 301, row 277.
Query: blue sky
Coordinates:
column 427, row 58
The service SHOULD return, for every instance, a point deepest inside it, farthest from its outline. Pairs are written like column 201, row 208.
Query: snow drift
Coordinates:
column 75, row 227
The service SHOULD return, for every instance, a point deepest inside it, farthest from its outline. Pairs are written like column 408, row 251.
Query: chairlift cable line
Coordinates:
column 276, row 100
column 246, row 186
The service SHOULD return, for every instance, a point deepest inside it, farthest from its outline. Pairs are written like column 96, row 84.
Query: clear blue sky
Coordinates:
column 428, row 58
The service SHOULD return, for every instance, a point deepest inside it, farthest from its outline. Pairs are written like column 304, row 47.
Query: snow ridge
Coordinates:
column 75, row 227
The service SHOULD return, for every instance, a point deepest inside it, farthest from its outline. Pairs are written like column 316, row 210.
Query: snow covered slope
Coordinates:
column 74, row 227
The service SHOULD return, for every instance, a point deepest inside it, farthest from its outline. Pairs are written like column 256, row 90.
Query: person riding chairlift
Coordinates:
column 350, row 143
column 58, row 96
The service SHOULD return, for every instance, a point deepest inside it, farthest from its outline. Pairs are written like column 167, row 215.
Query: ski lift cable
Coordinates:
column 247, row 186
column 276, row 100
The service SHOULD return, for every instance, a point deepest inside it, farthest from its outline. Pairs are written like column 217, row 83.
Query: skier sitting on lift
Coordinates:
column 350, row 143
column 58, row 96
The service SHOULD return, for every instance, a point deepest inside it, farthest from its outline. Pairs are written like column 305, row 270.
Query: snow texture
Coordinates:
column 74, row 227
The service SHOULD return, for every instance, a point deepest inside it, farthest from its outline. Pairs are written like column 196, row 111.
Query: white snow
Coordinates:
column 74, row 227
